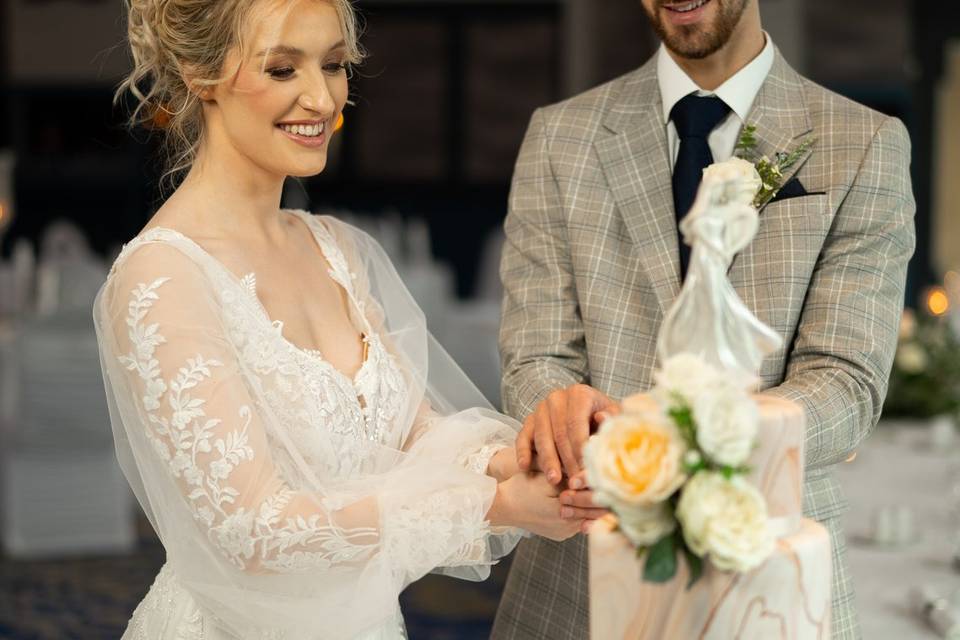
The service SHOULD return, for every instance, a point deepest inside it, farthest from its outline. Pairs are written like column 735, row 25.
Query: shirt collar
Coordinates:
column 739, row 90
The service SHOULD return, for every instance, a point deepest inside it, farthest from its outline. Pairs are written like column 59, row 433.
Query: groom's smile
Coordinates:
column 694, row 29
column 683, row 13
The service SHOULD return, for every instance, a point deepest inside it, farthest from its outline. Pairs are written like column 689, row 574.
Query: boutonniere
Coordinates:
column 771, row 171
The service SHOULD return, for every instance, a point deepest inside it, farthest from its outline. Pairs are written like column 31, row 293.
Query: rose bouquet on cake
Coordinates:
column 672, row 466
column 672, row 469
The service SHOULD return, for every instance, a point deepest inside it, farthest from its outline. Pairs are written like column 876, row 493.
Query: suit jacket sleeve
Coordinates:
column 846, row 339
column 541, row 334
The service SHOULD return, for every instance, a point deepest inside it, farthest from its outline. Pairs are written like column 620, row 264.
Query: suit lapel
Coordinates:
column 636, row 164
column 782, row 120
column 780, row 115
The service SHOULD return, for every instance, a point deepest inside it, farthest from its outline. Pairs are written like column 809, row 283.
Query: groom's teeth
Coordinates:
column 689, row 6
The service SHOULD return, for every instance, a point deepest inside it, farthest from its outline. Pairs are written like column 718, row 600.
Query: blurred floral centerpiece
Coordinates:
column 925, row 380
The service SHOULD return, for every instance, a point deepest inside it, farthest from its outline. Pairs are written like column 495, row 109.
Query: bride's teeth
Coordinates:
column 307, row 130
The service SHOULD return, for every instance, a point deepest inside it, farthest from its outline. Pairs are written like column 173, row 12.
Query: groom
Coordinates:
column 593, row 261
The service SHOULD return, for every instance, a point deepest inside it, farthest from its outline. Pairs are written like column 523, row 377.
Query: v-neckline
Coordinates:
column 241, row 282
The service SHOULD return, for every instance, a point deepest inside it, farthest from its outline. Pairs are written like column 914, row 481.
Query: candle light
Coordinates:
column 938, row 303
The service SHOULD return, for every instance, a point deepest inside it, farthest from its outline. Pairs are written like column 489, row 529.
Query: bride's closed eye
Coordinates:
column 335, row 67
column 287, row 72
column 281, row 73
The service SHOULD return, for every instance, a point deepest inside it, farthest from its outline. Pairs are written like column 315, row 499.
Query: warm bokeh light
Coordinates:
column 3, row 213
column 937, row 301
column 952, row 281
column 339, row 124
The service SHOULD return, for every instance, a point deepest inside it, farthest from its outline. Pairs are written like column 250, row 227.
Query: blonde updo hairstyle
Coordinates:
column 179, row 47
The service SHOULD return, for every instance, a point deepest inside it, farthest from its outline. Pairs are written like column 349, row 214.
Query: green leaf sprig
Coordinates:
column 771, row 171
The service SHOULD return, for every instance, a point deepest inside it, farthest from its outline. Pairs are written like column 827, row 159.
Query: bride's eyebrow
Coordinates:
column 286, row 50
column 281, row 49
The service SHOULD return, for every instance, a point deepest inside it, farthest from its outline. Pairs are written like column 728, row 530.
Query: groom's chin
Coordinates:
column 698, row 33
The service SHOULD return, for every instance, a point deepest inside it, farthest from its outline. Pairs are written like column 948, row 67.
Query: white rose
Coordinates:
column 911, row 357
column 646, row 525
column 684, row 375
column 635, row 460
column 738, row 177
column 726, row 519
column 727, row 419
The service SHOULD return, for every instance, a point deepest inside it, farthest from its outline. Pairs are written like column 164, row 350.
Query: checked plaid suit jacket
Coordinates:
column 590, row 267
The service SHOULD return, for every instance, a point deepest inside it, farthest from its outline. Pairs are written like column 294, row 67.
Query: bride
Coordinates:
column 301, row 445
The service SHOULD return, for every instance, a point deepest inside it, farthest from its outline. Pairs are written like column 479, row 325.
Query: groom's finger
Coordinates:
column 579, row 411
column 543, row 441
column 524, row 444
column 559, row 403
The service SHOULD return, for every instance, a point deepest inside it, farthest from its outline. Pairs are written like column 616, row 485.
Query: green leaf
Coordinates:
column 695, row 564
column 661, row 563
column 682, row 416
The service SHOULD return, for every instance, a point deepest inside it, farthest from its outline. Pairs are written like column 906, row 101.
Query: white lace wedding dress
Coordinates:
column 292, row 501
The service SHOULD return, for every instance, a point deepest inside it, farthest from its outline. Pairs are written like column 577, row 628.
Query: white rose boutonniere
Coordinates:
column 737, row 179
column 770, row 170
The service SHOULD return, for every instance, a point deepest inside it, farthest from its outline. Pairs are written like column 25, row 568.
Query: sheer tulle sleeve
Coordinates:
column 196, row 440
column 454, row 420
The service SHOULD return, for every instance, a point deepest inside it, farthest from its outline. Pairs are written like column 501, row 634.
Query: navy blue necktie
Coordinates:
column 694, row 117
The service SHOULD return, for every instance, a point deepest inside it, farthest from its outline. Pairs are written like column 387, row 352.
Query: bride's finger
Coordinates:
column 524, row 445
column 578, row 481
column 576, row 513
column 583, row 499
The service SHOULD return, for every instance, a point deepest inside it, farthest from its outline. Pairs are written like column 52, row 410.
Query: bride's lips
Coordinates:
column 307, row 141
column 680, row 13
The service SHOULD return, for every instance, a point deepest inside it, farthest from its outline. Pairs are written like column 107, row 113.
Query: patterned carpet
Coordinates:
column 91, row 598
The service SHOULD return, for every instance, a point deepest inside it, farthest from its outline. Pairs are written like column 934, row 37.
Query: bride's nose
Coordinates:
column 316, row 97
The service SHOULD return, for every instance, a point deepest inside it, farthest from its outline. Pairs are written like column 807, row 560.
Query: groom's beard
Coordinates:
column 699, row 40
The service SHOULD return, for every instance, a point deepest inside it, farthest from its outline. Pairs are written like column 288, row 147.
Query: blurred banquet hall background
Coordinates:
column 424, row 163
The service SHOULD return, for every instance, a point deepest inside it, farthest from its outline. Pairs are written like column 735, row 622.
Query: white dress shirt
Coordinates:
column 739, row 92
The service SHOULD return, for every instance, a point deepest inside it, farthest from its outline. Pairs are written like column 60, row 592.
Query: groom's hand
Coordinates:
column 554, row 434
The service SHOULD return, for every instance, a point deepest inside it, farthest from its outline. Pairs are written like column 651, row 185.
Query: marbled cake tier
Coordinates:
column 786, row 598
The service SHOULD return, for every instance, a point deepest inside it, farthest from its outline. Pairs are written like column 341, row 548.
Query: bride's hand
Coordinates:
column 503, row 465
column 528, row 501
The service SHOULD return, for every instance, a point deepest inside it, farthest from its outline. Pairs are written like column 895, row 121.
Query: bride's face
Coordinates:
column 279, row 107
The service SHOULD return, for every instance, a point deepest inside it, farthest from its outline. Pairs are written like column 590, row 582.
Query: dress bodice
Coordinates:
column 303, row 389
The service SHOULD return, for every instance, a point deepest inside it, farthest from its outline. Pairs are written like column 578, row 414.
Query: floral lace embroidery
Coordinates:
column 478, row 461
column 432, row 514
column 242, row 533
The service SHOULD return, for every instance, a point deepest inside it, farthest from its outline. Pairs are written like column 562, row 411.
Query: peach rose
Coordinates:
column 635, row 460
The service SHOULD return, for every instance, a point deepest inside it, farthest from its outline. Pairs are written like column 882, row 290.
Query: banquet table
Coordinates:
column 900, row 466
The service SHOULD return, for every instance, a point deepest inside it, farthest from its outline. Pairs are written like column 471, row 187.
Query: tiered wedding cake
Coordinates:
column 787, row 597
column 670, row 465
